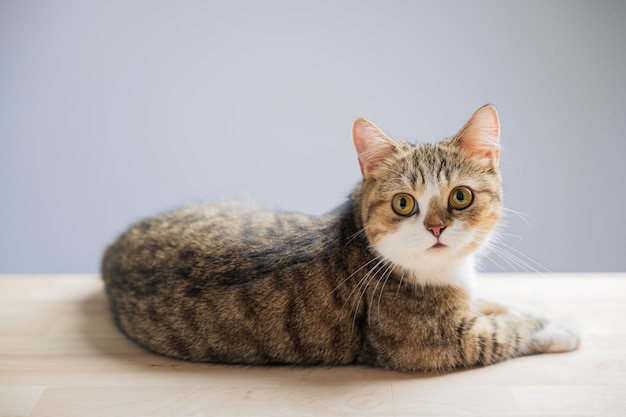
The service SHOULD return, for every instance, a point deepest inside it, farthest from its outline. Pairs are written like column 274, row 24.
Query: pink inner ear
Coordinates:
column 481, row 134
column 371, row 144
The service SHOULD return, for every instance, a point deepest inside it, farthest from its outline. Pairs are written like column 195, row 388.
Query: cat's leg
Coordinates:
column 466, row 340
column 486, row 340
column 491, row 308
column 440, row 329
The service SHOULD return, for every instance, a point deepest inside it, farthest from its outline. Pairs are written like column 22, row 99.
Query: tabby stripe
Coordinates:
column 462, row 331
column 443, row 166
column 293, row 328
column 190, row 317
column 372, row 207
column 482, row 359
column 178, row 344
column 496, row 347
column 516, row 344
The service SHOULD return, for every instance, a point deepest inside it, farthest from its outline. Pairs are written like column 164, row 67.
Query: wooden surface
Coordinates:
column 60, row 355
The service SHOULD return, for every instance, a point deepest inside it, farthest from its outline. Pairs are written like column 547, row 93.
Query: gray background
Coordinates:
column 113, row 111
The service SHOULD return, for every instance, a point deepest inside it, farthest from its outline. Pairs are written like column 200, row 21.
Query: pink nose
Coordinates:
column 436, row 229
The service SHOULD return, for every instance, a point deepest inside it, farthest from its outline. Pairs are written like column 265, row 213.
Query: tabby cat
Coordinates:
column 386, row 279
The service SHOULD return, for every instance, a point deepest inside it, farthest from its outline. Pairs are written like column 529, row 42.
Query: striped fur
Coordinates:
column 232, row 283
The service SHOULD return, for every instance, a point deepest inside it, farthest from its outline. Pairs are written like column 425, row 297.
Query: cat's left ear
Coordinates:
column 481, row 134
column 372, row 146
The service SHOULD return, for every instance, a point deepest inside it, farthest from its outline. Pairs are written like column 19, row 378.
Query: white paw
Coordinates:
column 534, row 312
column 560, row 336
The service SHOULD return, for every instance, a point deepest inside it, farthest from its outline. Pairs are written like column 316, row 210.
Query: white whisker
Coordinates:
column 505, row 257
column 516, row 260
column 525, row 217
column 355, row 235
column 383, row 279
column 518, row 237
column 355, row 272
column 525, row 258
column 365, row 283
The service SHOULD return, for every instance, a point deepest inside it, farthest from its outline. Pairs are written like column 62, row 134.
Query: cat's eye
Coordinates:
column 460, row 198
column 404, row 204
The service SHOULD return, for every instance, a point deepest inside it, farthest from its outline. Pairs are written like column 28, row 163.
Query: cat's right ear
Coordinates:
column 372, row 146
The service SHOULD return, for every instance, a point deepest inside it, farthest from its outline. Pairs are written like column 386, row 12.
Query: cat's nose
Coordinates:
column 436, row 229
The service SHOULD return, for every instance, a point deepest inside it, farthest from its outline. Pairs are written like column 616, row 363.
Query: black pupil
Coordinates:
column 403, row 203
column 460, row 196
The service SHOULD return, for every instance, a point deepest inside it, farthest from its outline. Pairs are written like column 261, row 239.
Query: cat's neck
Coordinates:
column 459, row 273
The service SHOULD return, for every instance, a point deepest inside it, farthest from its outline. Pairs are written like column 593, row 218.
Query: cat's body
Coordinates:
column 386, row 279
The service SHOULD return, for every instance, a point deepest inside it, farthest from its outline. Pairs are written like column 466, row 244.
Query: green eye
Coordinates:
column 461, row 198
column 404, row 204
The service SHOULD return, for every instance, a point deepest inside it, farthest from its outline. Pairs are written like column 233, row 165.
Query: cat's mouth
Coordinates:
column 438, row 246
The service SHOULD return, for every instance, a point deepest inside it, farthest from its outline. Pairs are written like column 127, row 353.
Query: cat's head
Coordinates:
column 425, row 205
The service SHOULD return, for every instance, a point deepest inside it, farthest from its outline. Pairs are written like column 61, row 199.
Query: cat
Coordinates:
column 386, row 279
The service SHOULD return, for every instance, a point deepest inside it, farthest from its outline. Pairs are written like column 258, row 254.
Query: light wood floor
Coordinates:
column 61, row 356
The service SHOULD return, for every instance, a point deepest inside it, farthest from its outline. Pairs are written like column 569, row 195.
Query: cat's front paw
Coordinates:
column 559, row 336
